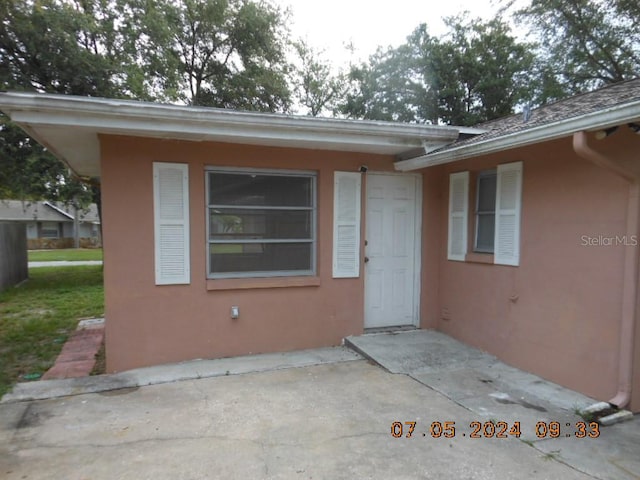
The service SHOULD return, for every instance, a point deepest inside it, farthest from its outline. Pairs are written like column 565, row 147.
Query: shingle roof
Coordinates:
column 590, row 102
column 89, row 214
column 28, row 211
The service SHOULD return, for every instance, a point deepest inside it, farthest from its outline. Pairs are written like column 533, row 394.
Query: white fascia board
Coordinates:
column 69, row 126
column 142, row 117
column 617, row 115
column 314, row 135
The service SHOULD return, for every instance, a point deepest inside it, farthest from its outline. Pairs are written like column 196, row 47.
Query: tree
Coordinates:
column 316, row 87
column 54, row 47
column 224, row 53
column 583, row 44
column 480, row 71
column 227, row 53
column 476, row 72
column 382, row 88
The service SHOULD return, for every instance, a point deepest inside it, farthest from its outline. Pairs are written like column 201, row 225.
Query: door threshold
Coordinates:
column 396, row 329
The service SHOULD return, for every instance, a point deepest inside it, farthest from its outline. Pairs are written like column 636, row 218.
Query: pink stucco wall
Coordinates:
column 558, row 313
column 149, row 324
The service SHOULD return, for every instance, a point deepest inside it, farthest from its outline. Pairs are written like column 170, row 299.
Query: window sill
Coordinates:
column 252, row 283
column 475, row 257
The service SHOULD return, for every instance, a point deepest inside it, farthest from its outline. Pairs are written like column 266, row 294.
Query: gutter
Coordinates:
column 630, row 274
column 90, row 112
column 69, row 126
column 601, row 119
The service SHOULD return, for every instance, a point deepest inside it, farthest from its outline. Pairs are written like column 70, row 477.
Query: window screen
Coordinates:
column 486, row 211
column 261, row 224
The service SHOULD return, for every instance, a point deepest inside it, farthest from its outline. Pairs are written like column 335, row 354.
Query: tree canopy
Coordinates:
column 54, row 47
column 477, row 72
column 227, row 53
column 583, row 44
column 316, row 87
column 222, row 53
column 239, row 54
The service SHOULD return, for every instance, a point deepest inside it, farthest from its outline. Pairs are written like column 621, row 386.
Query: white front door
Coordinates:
column 392, row 254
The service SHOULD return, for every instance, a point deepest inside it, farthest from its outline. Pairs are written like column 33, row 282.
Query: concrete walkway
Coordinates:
column 64, row 263
column 494, row 391
column 161, row 374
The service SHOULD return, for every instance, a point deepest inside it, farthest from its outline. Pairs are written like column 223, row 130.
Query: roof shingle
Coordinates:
column 601, row 99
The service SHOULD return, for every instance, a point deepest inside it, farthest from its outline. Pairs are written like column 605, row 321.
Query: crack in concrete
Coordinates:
column 558, row 458
column 262, row 444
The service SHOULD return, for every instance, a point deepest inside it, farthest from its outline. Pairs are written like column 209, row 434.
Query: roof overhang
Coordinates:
column 599, row 120
column 58, row 210
column 69, row 127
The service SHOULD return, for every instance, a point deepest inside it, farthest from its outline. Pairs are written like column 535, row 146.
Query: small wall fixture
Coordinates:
column 235, row 312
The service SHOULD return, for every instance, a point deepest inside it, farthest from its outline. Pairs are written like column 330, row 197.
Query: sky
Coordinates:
column 331, row 24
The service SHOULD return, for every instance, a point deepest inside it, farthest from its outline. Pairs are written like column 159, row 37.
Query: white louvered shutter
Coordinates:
column 508, row 206
column 171, row 215
column 346, row 224
column 458, row 215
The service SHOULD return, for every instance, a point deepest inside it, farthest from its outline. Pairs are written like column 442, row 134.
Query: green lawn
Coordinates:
column 65, row 254
column 37, row 317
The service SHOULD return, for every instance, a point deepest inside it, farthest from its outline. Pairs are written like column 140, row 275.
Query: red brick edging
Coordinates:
column 78, row 355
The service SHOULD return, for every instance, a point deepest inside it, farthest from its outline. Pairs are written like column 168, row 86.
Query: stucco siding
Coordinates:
column 558, row 313
column 149, row 324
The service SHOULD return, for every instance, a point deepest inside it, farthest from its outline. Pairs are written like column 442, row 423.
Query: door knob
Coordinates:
column 366, row 259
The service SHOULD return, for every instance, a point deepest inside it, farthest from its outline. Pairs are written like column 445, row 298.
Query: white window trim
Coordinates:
column 314, row 221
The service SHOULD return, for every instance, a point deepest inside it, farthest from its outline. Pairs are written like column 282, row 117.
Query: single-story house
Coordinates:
column 51, row 224
column 260, row 232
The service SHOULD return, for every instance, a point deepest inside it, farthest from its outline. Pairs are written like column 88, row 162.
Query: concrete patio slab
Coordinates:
column 313, row 414
column 615, row 455
column 496, row 392
column 330, row 421
column 417, row 351
column 431, row 356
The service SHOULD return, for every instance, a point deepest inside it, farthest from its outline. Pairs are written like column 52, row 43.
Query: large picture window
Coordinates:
column 261, row 223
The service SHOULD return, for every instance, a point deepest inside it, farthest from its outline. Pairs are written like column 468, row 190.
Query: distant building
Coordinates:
column 51, row 224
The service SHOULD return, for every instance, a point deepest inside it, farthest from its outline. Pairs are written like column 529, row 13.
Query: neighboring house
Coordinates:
column 253, row 233
column 51, row 225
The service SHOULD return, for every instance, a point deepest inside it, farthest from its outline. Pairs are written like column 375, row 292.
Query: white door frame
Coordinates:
column 417, row 255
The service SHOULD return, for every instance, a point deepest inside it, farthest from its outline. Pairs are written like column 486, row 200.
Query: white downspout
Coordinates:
column 630, row 274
